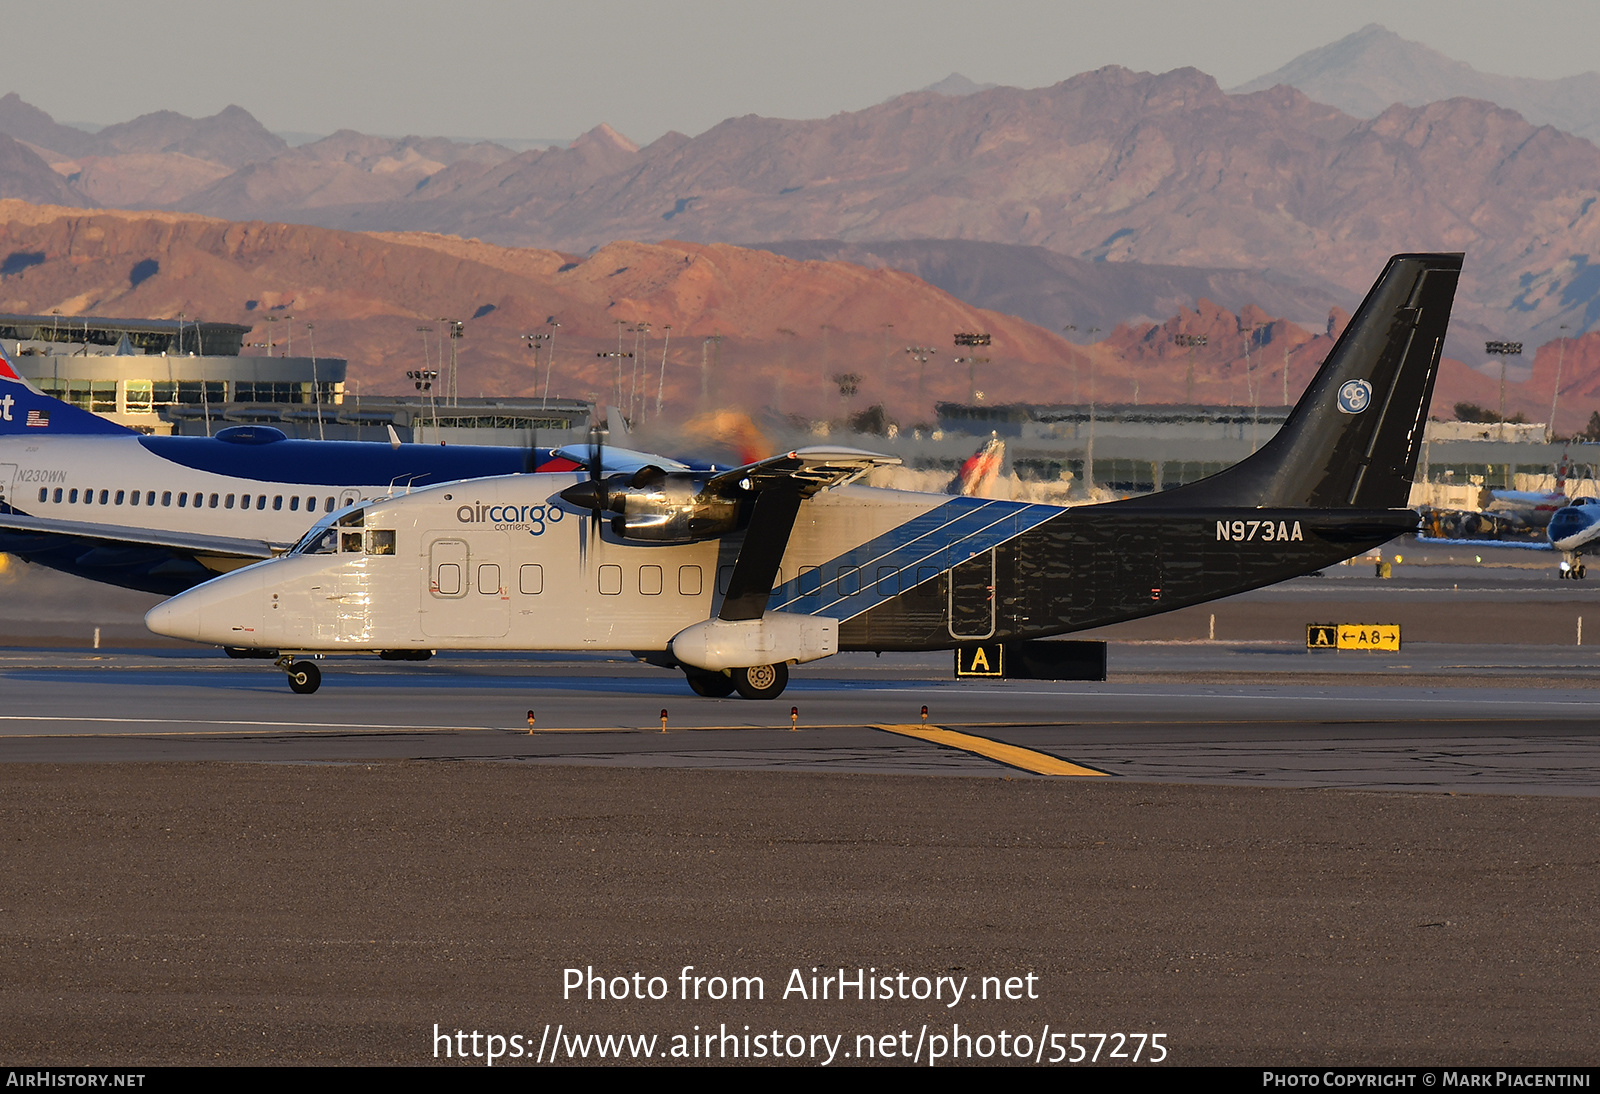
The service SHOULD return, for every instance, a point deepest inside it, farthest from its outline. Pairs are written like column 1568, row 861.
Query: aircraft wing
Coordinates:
column 614, row 460
column 808, row 470
column 101, row 534
column 780, row 483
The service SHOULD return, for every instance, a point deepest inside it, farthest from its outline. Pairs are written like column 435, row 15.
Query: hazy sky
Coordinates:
column 551, row 69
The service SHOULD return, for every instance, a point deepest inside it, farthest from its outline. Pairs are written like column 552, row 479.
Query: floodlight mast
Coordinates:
column 1503, row 350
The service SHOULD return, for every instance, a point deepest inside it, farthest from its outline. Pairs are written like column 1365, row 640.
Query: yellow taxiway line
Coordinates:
column 1027, row 759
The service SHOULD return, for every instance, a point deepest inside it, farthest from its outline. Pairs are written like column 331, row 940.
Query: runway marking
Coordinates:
column 1040, row 763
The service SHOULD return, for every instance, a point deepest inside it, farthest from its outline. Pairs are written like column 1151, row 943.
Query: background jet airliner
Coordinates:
column 1572, row 529
column 81, row 494
column 735, row 575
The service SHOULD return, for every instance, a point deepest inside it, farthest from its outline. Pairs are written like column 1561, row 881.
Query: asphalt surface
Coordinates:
column 1266, row 855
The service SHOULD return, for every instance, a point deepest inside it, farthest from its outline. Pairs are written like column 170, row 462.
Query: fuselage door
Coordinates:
column 466, row 595
column 447, row 566
column 8, row 476
column 972, row 598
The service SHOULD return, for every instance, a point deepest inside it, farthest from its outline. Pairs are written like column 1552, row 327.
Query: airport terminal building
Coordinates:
column 173, row 376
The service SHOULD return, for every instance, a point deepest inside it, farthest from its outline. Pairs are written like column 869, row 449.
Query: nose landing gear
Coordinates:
column 304, row 676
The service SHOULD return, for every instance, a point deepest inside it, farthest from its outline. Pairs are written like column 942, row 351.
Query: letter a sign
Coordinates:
column 987, row 659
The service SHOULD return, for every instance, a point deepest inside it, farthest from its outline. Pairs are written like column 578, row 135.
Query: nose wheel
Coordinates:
column 304, row 677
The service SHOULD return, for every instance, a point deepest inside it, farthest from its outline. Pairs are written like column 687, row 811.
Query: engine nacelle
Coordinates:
column 775, row 638
column 667, row 516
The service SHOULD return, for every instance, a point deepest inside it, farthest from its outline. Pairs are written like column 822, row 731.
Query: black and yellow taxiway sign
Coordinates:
column 984, row 659
column 1353, row 636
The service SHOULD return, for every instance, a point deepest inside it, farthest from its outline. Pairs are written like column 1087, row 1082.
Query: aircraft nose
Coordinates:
column 175, row 618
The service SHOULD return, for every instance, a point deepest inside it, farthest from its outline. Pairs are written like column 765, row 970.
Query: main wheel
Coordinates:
column 762, row 681
column 304, row 677
column 713, row 685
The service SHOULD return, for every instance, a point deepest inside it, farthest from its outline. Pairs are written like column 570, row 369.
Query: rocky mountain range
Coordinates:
column 709, row 324
column 1365, row 73
column 1111, row 198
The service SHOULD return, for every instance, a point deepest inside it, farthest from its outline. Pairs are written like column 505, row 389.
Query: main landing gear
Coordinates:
column 304, row 676
column 755, row 682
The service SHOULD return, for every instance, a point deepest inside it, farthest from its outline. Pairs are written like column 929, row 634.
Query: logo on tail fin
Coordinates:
column 8, row 367
column 1355, row 396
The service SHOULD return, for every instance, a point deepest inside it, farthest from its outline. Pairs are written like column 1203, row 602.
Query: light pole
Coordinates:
column 972, row 338
column 1503, row 350
column 316, row 388
column 661, row 384
column 550, row 361
column 426, row 376
column 1555, row 393
column 920, row 354
column 641, row 347
column 456, row 329
column 1189, row 341
column 785, row 341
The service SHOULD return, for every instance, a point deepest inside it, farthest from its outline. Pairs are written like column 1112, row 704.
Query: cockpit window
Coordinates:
column 323, row 542
column 380, row 542
column 353, row 519
column 350, row 542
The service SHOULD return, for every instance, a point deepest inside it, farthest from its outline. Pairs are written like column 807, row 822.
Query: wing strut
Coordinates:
column 765, row 540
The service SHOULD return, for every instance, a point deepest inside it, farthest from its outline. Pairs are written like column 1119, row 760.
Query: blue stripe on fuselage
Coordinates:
column 944, row 537
column 339, row 463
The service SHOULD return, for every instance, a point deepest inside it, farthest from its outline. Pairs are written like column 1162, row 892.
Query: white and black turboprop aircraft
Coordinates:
column 733, row 576
column 84, row 495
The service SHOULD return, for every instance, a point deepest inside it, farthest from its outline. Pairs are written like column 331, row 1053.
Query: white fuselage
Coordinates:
column 501, row 563
column 116, row 481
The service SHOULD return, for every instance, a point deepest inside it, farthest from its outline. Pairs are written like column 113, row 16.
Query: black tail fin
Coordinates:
column 1353, row 439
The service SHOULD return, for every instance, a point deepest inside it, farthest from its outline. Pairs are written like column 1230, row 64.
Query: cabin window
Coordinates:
column 888, row 580
column 212, row 504
column 277, row 502
column 927, row 586
column 381, row 542
column 650, row 580
column 488, row 578
column 350, row 542
column 44, row 492
column 120, row 495
column 58, row 493
column 150, row 498
column 611, row 580
column 689, row 580
column 724, row 579
column 183, row 498
column 166, row 497
column 72, row 497
column 329, row 507
column 311, row 505
column 849, row 580
column 133, row 498
column 261, row 501
column 227, row 502
column 88, row 497
column 530, row 579
column 294, row 504
column 105, row 496
column 810, row 580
